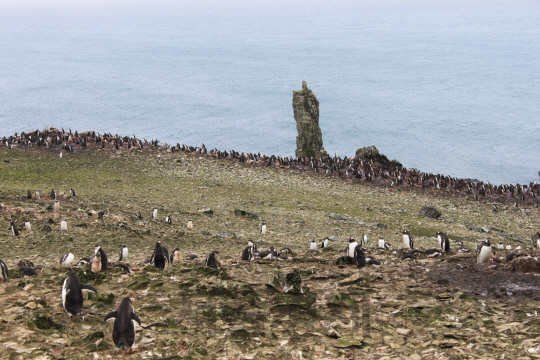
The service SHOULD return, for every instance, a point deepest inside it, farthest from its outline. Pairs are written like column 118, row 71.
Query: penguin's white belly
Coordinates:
column 406, row 243
column 484, row 255
column 381, row 244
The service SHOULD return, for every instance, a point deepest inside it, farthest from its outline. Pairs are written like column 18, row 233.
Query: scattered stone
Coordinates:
column 341, row 299
column 246, row 214
column 430, row 211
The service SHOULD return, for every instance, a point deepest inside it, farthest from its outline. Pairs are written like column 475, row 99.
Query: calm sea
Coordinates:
column 450, row 87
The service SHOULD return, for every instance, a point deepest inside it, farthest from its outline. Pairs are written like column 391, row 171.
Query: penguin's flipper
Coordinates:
column 373, row 262
column 110, row 315
column 152, row 257
column 135, row 317
column 123, row 266
column 88, row 287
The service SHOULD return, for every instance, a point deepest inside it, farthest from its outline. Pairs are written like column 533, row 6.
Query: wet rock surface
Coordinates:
column 442, row 308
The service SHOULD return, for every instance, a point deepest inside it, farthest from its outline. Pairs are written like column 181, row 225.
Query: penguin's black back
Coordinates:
column 74, row 297
column 123, row 327
column 211, row 259
column 159, row 256
column 359, row 256
column 104, row 261
column 246, row 254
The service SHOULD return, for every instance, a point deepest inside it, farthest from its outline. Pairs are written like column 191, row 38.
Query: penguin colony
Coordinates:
column 124, row 315
column 383, row 173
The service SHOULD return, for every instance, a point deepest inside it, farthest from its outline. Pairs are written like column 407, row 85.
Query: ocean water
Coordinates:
column 450, row 87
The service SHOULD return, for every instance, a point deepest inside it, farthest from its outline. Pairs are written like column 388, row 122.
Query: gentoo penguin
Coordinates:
column 313, row 245
column 444, row 242
column 53, row 194
column 249, row 251
column 154, row 213
column 433, row 252
column 38, row 194
column 28, row 225
column 84, row 260
column 56, row 206
column 4, row 272
column 363, row 239
column 263, row 228
column 211, row 259
column 508, row 247
column 123, row 266
column 483, row 252
column 190, row 225
column 14, row 228
column 286, row 250
column 407, row 240
column 95, row 265
column 72, row 296
column 175, row 257
column 324, row 243
column 159, row 256
column 139, row 216
column 72, row 192
column 192, row 257
column 29, row 195
column 501, row 245
column 359, row 256
column 104, row 259
column 67, row 259
column 537, row 247
column 124, row 253
column 60, row 155
column 382, row 244
column 28, row 271
column 123, row 326
column 267, row 255
column 64, row 225
column 168, row 220
column 351, row 247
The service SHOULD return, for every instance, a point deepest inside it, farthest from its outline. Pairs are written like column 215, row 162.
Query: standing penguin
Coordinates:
column 53, row 194
column 72, row 192
column 501, row 245
column 483, row 252
column 383, row 245
column 29, row 195
column 263, row 228
column 175, row 257
column 38, row 194
column 67, row 259
column 211, row 259
column 123, row 326
column 95, row 264
column 407, row 240
column 363, row 239
column 124, row 253
column 4, row 272
column 72, row 296
column 190, row 225
column 14, row 228
column 444, row 242
column 249, row 252
column 159, row 256
column 56, row 206
column 537, row 246
column 28, row 225
column 104, row 259
column 168, row 220
column 313, row 245
column 351, row 247
column 359, row 256
column 154, row 213
column 324, row 243
column 64, row 225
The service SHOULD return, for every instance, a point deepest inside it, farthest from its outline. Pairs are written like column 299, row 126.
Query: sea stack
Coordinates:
column 306, row 113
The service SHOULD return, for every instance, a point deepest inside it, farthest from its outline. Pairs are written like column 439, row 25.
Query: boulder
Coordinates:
column 306, row 113
column 430, row 211
column 372, row 153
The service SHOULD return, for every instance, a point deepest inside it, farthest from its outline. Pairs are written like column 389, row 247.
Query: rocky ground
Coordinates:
column 442, row 308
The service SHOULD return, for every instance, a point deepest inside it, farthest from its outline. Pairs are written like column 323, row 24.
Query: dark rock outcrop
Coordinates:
column 430, row 211
column 306, row 113
column 372, row 153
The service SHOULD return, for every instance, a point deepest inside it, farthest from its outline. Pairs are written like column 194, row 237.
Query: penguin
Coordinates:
column 444, row 242
column 67, row 259
column 247, row 253
column 100, row 215
column 211, row 259
column 28, row 271
column 29, row 195
column 104, row 259
column 268, row 255
column 123, row 266
column 14, row 228
column 286, row 250
column 84, row 260
column 508, row 247
column 383, row 245
column 501, row 245
column 407, row 240
column 38, row 194
column 175, row 257
column 64, row 225
column 95, row 265
column 123, row 326
column 433, row 252
column 60, row 155
column 363, row 239
column 324, row 243
column 72, row 192
column 4, row 271
column 190, row 225
column 313, row 245
column 159, row 256
column 359, row 256
column 350, row 248
column 53, row 194
column 56, row 206
column 537, row 245
column 253, row 245
column 168, row 220
column 263, row 228
column 282, row 257
column 192, row 257
column 139, row 216
column 483, row 252
column 124, row 253
column 28, row 225
column 72, row 296
column 154, row 213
